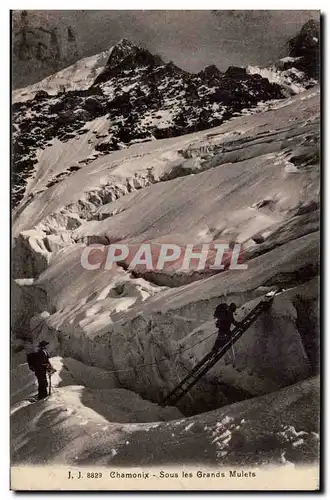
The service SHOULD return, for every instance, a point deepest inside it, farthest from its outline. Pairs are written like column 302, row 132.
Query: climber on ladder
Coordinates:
column 224, row 318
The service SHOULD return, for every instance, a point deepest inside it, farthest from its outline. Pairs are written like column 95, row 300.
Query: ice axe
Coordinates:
column 233, row 355
column 50, row 383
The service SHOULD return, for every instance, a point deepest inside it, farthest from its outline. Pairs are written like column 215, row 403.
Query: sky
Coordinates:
column 191, row 39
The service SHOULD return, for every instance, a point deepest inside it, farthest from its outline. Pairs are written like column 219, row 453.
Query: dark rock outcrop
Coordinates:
column 306, row 46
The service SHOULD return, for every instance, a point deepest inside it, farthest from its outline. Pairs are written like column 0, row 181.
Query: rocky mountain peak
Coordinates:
column 126, row 56
column 236, row 72
column 211, row 73
column 119, row 51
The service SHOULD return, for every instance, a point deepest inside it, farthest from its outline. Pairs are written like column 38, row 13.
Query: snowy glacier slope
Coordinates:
column 78, row 76
column 82, row 426
column 253, row 179
column 266, row 141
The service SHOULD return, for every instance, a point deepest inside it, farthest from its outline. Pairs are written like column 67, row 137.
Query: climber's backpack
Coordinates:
column 32, row 359
column 223, row 316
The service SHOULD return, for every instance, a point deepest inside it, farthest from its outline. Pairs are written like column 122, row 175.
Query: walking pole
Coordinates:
column 50, row 383
column 233, row 355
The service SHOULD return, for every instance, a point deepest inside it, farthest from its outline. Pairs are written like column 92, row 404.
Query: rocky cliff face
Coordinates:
column 44, row 48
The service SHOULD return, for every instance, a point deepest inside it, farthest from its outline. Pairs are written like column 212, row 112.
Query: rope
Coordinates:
column 152, row 362
column 161, row 359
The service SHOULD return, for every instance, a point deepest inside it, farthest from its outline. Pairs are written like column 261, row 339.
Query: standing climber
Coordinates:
column 224, row 318
column 41, row 367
